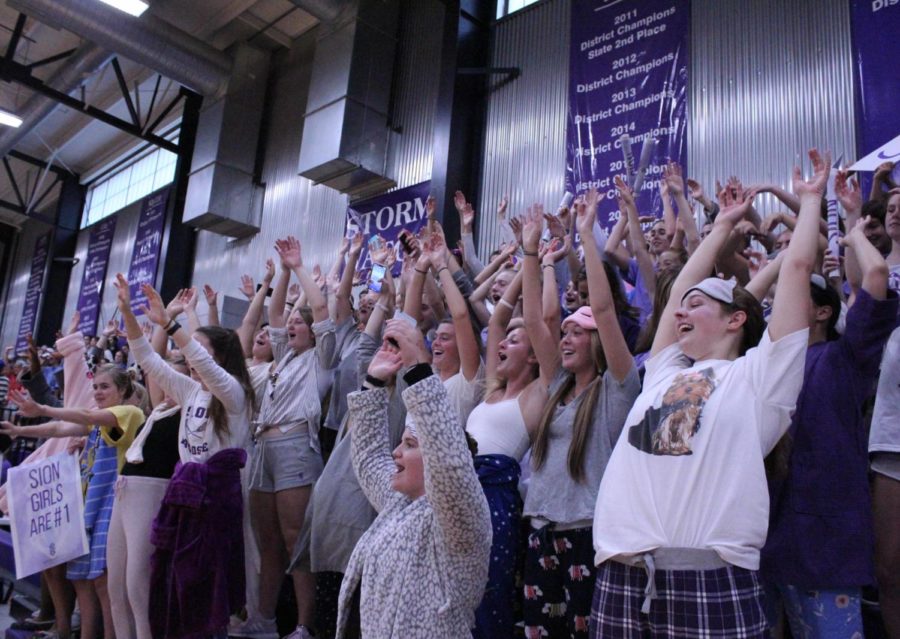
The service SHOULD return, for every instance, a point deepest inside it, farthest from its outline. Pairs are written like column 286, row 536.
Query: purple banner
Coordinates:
column 33, row 293
column 387, row 215
column 145, row 256
column 876, row 50
column 94, row 276
column 627, row 77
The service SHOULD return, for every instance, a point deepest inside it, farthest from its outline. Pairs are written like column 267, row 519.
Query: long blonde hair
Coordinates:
column 584, row 416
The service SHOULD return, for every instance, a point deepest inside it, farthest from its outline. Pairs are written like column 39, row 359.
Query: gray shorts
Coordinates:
column 886, row 463
column 283, row 462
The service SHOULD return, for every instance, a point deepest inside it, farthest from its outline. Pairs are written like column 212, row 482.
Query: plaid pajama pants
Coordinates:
column 725, row 603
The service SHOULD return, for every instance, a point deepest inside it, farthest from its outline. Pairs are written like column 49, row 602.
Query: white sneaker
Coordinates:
column 256, row 629
column 300, row 632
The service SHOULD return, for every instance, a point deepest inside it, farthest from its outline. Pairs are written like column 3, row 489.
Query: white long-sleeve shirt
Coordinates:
column 197, row 439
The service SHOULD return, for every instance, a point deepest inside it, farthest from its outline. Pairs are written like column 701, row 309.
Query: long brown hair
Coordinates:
column 584, row 416
column 228, row 353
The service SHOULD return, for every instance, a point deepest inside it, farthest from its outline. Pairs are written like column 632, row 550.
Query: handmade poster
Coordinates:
column 46, row 513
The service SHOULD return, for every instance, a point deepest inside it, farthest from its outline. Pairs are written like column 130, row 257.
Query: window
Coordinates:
column 506, row 7
column 129, row 184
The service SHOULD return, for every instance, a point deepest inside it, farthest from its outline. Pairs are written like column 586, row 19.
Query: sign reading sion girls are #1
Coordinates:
column 46, row 513
column 628, row 76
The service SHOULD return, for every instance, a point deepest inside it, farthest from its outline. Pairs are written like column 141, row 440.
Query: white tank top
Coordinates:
column 499, row 429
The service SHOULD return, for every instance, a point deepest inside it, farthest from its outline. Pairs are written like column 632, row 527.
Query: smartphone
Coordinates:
column 268, row 293
column 375, row 243
column 406, row 242
column 376, row 277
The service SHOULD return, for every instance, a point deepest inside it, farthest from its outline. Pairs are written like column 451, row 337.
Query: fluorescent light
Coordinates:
column 9, row 119
column 131, row 7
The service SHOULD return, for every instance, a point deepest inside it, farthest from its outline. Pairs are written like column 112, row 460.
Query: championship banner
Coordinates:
column 46, row 513
column 387, row 215
column 94, row 275
column 876, row 49
column 145, row 255
column 628, row 71
column 33, row 292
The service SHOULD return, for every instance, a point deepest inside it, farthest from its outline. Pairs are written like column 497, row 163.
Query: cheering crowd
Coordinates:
column 687, row 426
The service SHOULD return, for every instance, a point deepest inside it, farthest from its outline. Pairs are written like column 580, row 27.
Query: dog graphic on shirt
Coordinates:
column 669, row 429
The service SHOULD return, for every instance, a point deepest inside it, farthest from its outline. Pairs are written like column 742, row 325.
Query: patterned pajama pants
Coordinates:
column 725, row 603
column 559, row 582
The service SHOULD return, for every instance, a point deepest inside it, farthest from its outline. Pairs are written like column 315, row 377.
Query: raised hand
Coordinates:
column 624, row 191
column 123, row 294
column 815, row 186
column 431, row 208
column 502, row 206
column 269, row 275
column 356, row 244
column 558, row 250
column 847, row 191
column 695, row 189
column 883, row 171
column 147, row 329
column 345, row 246
column 317, row 276
column 384, row 254
column 436, row 251
column 831, row 263
column 247, row 287
column 211, row 294
column 459, row 201
column 409, row 341
column 736, row 206
column 385, row 363
column 155, row 310
column 111, row 328
column 531, row 231
column 73, row 323
column 293, row 293
column 857, row 233
column 190, row 297
column 673, row 178
column 176, row 306
column 770, row 222
column 289, row 251
column 468, row 218
column 516, row 225
column 555, row 226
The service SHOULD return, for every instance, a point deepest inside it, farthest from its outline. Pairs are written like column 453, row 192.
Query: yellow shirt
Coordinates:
column 130, row 419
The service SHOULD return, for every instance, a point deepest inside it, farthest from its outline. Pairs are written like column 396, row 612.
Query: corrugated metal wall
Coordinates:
column 415, row 92
column 769, row 80
column 525, row 131
column 20, row 266
column 293, row 205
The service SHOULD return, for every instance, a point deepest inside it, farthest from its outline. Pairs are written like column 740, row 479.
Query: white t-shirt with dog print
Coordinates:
column 687, row 470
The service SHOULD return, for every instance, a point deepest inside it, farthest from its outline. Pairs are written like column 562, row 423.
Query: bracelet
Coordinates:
column 506, row 304
column 443, row 268
column 374, row 381
column 168, row 324
column 548, row 266
column 425, row 272
column 171, row 330
column 527, row 254
column 289, row 304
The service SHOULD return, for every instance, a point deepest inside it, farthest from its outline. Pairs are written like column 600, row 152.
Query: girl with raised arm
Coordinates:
column 197, row 568
column 682, row 510
column 421, row 567
column 110, row 429
column 588, row 381
column 287, row 458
